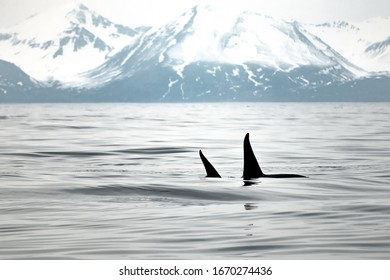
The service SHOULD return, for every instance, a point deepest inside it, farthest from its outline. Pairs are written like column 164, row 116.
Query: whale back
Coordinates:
column 210, row 170
column 251, row 166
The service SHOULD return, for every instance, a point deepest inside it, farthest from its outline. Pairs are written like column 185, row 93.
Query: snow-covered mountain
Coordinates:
column 243, row 56
column 60, row 44
column 237, row 40
column 204, row 55
column 366, row 44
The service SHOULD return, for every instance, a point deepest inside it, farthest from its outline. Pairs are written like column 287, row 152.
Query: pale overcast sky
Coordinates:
column 151, row 12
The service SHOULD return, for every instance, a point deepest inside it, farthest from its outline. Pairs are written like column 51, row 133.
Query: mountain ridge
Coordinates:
column 74, row 36
column 243, row 57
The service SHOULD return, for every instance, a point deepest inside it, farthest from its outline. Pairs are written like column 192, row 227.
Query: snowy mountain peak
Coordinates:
column 80, row 14
column 209, row 53
column 338, row 24
column 363, row 43
column 235, row 40
column 66, row 41
column 217, row 46
column 239, row 37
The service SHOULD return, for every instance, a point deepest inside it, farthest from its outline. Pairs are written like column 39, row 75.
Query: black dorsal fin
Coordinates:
column 210, row 170
column 251, row 166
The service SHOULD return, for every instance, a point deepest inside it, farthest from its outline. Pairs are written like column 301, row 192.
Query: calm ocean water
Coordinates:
column 124, row 181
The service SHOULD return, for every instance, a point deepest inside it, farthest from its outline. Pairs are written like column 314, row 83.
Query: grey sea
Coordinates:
column 124, row 181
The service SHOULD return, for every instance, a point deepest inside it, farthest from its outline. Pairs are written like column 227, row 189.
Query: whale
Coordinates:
column 252, row 168
column 210, row 170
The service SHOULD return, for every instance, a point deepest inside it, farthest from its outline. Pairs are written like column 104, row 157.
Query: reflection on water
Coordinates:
column 124, row 181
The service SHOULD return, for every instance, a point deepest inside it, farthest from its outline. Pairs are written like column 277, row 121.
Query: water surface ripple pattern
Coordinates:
column 124, row 181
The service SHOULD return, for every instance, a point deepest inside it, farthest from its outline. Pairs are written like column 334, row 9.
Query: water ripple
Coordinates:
column 124, row 181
